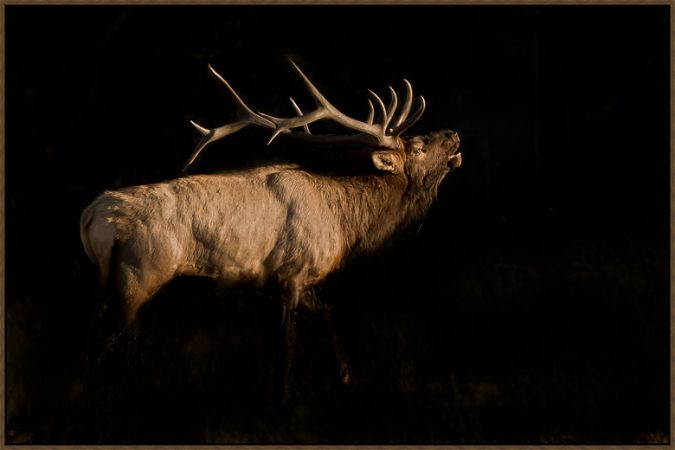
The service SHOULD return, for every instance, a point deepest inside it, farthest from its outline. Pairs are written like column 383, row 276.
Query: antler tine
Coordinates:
column 201, row 129
column 245, row 116
column 371, row 112
column 243, row 111
column 299, row 112
column 412, row 119
column 406, row 105
column 212, row 135
column 318, row 96
column 383, row 112
column 391, row 109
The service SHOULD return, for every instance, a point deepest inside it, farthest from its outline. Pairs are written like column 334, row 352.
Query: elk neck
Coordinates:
column 370, row 208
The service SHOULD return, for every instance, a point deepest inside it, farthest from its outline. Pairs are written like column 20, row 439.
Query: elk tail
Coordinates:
column 97, row 239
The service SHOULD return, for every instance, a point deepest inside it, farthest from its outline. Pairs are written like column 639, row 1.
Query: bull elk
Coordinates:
column 275, row 222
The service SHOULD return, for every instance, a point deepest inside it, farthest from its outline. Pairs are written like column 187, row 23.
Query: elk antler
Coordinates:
column 378, row 134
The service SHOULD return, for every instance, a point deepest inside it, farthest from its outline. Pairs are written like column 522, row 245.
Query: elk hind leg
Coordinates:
column 129, row 289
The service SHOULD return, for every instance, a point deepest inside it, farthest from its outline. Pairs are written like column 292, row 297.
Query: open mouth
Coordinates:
column 455, row 157
column 455, row 160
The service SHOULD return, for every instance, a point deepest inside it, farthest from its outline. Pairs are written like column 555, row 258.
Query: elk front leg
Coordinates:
column 290, row 296
column 321, row 317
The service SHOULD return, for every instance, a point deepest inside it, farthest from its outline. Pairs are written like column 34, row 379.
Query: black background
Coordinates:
column 531, row 307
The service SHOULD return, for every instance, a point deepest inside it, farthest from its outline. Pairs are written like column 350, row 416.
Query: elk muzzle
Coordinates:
column 452, row 143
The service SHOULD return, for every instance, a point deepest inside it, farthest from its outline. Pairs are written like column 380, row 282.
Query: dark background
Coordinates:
column 531, row 307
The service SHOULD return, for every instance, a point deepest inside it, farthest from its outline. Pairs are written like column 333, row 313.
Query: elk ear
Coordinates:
column 388, row 161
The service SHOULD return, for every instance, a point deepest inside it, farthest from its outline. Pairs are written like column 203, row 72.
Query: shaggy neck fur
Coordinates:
column 370, row 208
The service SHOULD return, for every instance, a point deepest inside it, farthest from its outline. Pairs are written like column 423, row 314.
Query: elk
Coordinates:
column 277, row 223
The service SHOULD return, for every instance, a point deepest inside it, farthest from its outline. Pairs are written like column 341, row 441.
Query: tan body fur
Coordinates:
column 235, row 228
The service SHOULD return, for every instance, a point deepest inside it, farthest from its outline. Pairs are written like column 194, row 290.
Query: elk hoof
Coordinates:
column 346, row 376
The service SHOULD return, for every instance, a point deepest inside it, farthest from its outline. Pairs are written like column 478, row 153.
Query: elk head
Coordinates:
column 430, row 157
